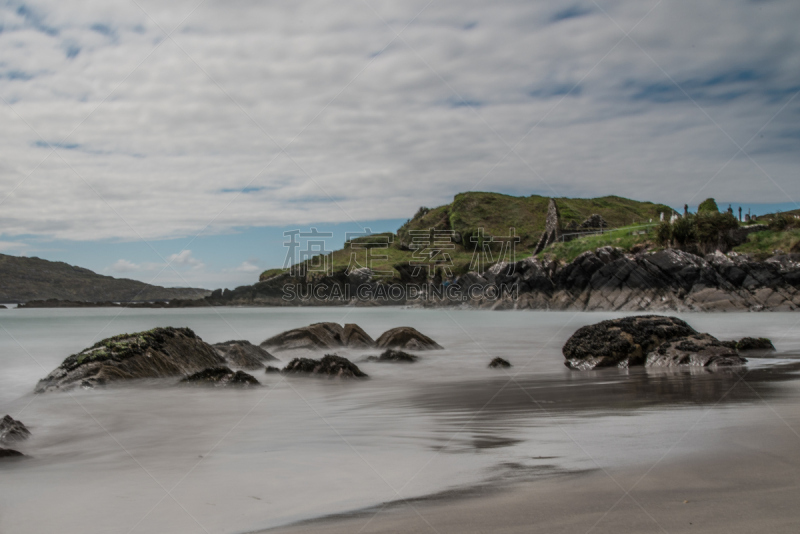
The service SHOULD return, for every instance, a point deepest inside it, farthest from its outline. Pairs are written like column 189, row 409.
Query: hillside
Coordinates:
column 24, row 279
column 495, row 213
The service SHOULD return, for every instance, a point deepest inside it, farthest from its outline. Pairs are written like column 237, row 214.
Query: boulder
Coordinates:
column 12, row 430
column 157, row 353
column 244, row 354
column 312, row 337
column 700, row 350
column 354, row 336
column 752, row 343
column 595, row 221
column 499, row 363
column 621, row 342
column 220, row 377
column 10, row 453
column 394, row 356
column 330, row 365
column 405, row 337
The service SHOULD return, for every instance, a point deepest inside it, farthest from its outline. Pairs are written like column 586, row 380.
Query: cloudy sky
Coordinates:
column 174, row 141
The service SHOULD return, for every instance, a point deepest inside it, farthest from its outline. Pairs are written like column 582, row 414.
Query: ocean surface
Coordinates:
column 151, row 457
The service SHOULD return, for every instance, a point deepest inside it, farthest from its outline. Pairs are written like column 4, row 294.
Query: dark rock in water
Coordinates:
column 244, row 354
column 330, row 365
column 221, row 376
column 405, row 337
column 354, row 336
column 161, row 352
column 271, row 369
column 12, row 430
column 391, row 355
column 701, row 350
column 10, row 453
column 499, row 362
column 621, row 342
column 752, row 343
column 315, row 336
column 651, row 340
column 3, row 307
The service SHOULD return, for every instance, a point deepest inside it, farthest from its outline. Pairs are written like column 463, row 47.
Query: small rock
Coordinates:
column 315, row 336
column 10, row 453
column 330, row 365
column 354, row 336
column 220, row 377
column 13, row 430
column 240, row 353
column 271, row 369
column 752, row 343
column 499, row 362
column 394, row 356
column 406, row 337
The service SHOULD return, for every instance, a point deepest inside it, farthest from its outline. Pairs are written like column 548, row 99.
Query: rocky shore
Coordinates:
column 607, row 279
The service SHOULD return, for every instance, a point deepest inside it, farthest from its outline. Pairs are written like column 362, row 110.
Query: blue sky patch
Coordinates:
column 65, row 146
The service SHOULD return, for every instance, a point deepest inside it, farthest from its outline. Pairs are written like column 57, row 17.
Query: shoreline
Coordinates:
column 739, row 491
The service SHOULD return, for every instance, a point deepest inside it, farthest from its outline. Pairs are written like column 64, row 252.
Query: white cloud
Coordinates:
column 185, row 259
column 176, row 263
column 125, row 266
column 248, row 267
column 169, row 138
column 14, row 246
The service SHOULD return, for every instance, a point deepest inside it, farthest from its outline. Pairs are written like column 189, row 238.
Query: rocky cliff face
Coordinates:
column 608, row 279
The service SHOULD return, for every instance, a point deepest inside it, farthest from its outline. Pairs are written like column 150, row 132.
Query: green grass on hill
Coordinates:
column 497, row 213
column 623, row 238
column 761, row 245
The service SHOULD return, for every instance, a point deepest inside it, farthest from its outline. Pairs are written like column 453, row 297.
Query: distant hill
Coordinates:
column 24, row 279
column 495, row 213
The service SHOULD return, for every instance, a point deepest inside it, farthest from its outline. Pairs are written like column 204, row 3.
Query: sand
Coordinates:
column 752, row 484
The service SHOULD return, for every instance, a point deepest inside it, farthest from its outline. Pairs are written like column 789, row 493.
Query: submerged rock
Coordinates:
column 394, row 356
column 10, row 453
column 499, row 362
column 315, row 336
column 244, row 354
column 354, row 336
column 700, row 350
column 220, row 377
column 330, row 365
column 406, row 337
column 157, row 353
column 12, row 430
column 621, row 342
column 752, row 343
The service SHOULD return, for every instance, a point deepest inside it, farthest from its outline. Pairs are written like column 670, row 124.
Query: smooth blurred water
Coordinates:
column 151, row 457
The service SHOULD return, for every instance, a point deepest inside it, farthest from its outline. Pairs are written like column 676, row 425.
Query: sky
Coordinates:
column 175, row 142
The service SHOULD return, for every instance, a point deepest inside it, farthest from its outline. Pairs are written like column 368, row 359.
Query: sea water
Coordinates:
column 152, row 457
